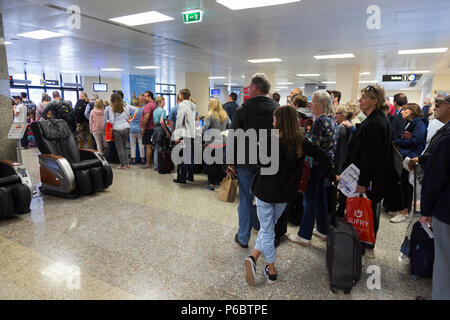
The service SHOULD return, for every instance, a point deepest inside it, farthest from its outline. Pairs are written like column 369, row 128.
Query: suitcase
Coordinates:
column 343, row 255
column 165, row 164
column 294, row 210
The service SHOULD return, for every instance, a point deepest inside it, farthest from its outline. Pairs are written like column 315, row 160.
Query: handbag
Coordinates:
column 306, row 173
column 109, row 132
column 359, row 214
column 228, row 189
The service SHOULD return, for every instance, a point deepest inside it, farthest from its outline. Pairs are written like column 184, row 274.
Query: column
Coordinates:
column 8, row 147
column 198, row 84
column 347, row 82
column 441, row 83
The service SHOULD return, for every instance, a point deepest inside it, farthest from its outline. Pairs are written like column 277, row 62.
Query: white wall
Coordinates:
column 113, row 84
column 414, row 96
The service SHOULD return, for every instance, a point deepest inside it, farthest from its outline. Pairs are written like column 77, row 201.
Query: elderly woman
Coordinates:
column 371, row 151
column 411, row 145
column 323, row 134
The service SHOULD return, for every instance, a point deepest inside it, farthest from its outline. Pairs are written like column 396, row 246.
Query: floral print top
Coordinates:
column 324, row 134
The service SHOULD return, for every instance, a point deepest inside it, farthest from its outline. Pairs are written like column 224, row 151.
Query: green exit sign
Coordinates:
column 193, row 16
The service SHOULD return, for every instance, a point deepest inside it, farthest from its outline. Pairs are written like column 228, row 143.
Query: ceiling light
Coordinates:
column 369, row 81
column 147, row 67
column 217, row 78
column 419, row 51
column 265, row 60
column 335, row 56
column 308, row 75
column 239, row 4
column 40, row 34
column 328, row 82
column 230, row 84
column 284, row 83
column 142, row 18
column 5, row 42
column 69, row 71
column 111, row 69
column 243, row 77
column 409, row 72
column 364, row 73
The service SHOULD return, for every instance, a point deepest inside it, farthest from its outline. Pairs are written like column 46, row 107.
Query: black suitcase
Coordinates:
column 343, row 254
column 165, row 164
column 295, row 210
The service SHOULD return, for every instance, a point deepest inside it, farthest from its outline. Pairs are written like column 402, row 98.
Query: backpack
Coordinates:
column 65, row 112
column 79, row 112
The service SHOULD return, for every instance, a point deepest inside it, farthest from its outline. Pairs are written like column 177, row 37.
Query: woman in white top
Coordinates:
column 119, row 117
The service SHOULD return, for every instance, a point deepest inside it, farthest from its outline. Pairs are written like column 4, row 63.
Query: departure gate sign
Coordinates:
column 399, row 77
column 193, row 16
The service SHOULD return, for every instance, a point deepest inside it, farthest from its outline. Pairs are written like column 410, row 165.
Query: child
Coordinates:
column 30, row 119
column 274, row 192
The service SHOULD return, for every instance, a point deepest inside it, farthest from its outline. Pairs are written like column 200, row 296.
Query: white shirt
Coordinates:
column 22, row 110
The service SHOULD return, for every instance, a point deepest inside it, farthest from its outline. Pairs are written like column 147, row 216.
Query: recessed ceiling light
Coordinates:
column 283, row 83
column 419, row 51
column 5, row 42
column 147, row 67
column 230, row 84
column 243, row 77
column 308, row 75
column 239, row 4
column 40, row 34
column 142, row 18
column 408, row 72
column 369, row 81
column 335, row 56
column 265, row 60
column 328, row 82
column 111, row 69
column 217, row 78
column 364, row 73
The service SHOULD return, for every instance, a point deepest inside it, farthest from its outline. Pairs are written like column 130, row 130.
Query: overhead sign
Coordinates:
column 49, row 82
column 13, row 81
column 399, row 77
column 193, row 16
column 69, row 84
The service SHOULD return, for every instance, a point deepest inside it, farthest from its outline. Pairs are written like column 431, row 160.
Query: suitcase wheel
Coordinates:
column 347, row 291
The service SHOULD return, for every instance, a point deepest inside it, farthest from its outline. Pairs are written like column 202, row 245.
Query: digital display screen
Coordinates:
column 100, row 87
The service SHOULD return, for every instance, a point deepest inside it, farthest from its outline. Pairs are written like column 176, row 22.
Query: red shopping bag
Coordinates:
column 109, row 132
column 359, row 214
column 307, row 165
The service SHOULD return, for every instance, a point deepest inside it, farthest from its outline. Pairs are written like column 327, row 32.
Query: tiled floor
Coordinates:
column 147, row 238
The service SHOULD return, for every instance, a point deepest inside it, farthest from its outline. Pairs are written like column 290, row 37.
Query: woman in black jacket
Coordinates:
column 371, row 151
column 275, row 191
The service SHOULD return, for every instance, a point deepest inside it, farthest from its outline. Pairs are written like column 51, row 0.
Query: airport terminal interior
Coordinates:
column 146, row 237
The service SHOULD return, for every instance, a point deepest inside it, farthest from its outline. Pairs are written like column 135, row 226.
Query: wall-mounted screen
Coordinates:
column 100, row 87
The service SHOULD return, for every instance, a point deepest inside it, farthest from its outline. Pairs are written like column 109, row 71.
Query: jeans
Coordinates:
column 268, row 215
column 156, row 150
column 246, row 209
column 121, row 138
column 315, row 209
column 136, row 137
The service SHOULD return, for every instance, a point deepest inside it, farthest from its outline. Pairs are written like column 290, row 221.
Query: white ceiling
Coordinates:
column 226, row 39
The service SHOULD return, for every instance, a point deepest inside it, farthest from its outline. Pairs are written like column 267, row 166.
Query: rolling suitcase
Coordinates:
column 343, row 255
column 165, row 164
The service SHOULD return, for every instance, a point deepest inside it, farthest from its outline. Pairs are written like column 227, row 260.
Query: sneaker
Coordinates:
column 179, row 181
column 271, row 278
column 370, row 254
column 296, row 239
column 245, row 246
column 398, row 218
column 210, row 188
column 321, row 236
column 250, row 270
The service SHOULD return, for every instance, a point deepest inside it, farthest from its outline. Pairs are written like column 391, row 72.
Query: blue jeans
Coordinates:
column 246, row 209
column 268, row 215
column 315, row 209
column 156, row 150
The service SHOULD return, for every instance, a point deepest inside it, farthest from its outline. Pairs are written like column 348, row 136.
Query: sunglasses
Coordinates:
column 439, row 104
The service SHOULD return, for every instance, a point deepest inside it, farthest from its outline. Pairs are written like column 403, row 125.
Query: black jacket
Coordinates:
column 255, row 113
column 423, row 159
column 398, row 125
column 230, row 108
column 435, row 199
column 80, row 108
column 282, row 187
column 371, row 151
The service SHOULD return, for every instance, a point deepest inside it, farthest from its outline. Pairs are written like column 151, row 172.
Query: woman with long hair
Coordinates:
column 119, row 117
column 136, row 133
column 96, row 124
column 217, row 118
column 273, row 192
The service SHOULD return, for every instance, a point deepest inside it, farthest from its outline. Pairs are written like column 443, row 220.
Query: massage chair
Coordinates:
column 15, row 189
column 66, row 170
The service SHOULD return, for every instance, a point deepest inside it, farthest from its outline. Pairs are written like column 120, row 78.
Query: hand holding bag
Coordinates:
column 359, row 214
column 228, row 189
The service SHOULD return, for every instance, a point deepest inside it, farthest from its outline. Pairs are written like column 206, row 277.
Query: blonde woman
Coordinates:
column 96, row 124
column 217, row 118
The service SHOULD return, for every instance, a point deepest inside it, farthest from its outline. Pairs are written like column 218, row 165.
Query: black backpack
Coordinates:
column 65, row 112
column 80, row 108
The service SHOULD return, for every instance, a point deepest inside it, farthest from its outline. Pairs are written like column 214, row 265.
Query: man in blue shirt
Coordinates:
column 231, row 106
column 173, row 115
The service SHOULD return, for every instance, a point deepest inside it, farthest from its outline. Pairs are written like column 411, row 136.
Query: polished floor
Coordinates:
column 147, row 238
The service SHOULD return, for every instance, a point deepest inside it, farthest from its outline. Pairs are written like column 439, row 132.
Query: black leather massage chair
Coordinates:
column 65, row 170
column 15, row 189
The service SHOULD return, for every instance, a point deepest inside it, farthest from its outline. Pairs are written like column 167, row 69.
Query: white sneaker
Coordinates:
column 370, row 253
column 298, row 240
column 398, row 218
column 321, row 236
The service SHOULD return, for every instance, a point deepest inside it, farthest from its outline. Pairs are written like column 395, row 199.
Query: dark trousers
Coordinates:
column 185, row 171
column 407, row 190
column 215, row 172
